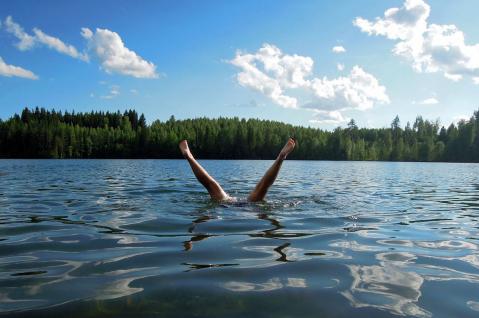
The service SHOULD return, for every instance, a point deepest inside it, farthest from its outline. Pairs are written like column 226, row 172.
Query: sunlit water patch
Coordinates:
column 334, row 239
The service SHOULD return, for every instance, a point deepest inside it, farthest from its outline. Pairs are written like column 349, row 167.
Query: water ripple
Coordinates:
column 141, row 237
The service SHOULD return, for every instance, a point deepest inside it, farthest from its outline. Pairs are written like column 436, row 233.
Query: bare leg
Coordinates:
column 213, row 187
column 263, row 185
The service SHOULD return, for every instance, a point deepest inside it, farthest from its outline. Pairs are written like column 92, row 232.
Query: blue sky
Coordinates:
column 254, row 59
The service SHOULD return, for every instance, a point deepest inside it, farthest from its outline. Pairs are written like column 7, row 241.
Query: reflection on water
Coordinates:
column 390, row 284
column 271, row 284
column 126, row 237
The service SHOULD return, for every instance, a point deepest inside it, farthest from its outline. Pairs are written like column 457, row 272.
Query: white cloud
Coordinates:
column 328, row 117
column 339, row 49
column 453, row 77
column 398, row 23
column 115, row 57
column 359, row 90
column 134, row 91
column 277, row 75
column 430, row 48
column 58, row 45
column 114, row 92
column 27, row 42
column 278, row 72
column 457, row 119
column 340, row 67
column 11, row 70
column 475, row 80
column 428, row 101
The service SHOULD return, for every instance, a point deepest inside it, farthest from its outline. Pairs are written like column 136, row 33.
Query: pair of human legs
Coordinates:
column 214, row 189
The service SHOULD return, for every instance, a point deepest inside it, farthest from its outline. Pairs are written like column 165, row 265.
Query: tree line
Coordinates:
column 41, row 133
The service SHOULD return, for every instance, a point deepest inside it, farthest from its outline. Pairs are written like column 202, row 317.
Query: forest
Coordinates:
column 41, row 133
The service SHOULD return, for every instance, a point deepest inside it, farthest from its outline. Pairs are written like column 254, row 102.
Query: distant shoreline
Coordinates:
column 214, row 159
column 48, row 134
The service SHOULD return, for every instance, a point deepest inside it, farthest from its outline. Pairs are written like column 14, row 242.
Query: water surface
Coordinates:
column 141, row 238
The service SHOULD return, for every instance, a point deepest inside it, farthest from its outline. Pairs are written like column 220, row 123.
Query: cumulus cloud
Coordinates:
column 339, row 49
column 398, row 23
column 27, row 41
column 107, row 46
column 475, row 80
column 359, row 90
column 115, row 57
column 328, row 117
column 429, row 47
column 278, row 71
column 340, row 67
column 278, row 76
column 11, row 70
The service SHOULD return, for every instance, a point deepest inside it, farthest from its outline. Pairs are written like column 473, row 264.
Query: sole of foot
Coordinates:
column 288, row 148
column 185, row 150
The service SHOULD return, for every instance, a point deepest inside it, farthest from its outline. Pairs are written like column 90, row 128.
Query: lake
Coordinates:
column 140, row 238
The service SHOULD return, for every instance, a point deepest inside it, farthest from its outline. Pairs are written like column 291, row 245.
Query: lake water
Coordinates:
column 140, row 238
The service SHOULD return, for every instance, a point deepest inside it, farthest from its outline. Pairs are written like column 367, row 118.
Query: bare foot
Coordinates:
column 185, row 150
column 287, row 148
